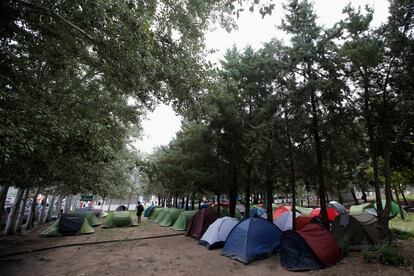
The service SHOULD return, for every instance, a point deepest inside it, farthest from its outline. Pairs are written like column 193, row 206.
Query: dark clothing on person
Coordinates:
column 140, row 209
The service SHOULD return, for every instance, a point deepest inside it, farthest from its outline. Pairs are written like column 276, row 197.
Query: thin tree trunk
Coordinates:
column 32, row 213
column 20, row 216
column 57, row 210
column 385, row 216
column 129, row 199
column 269, row 195
column 187, row 199
column 402, row 193
column 218, row 205
column 248, row 191
column 3, row 195
column 50, row 210
column 233, row 194
column 67, row 204
column 109, row 205
column 42, row 211
column 399, row 203
column 183, row 202
column 11, row 220
column 352, row 190
column 199, row 204
column 292, row 172
column 192, row 201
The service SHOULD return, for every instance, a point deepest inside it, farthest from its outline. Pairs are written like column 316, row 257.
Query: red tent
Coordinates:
column 321, row 242
column 332, row 213
column 280, row 210
column 200, row 222
column 302, row 221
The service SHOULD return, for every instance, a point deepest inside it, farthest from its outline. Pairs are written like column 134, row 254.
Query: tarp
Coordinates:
column 200, row 222
column 148, row 211
column 183, row 220
column 332, row 213
column 321, row 242
column 252, row 239
column 69, row 224
column 305, row 211
column 170, row 217
column 295, row 254
column 217, row 232
column 121, row 208
column 120, row 219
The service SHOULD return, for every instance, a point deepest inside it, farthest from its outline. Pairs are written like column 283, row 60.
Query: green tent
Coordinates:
column 156, row 213
column 69, row 224
column 90, row 216
column 183, row 220
column 120, row 219
column 395, row 209
column 161, row 215
column 304, row 210
column 362, row 208
column 170, row 217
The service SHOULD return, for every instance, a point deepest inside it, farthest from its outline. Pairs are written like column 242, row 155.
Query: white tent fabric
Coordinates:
column 241, row 208
column 218, row 231
column 284, row 221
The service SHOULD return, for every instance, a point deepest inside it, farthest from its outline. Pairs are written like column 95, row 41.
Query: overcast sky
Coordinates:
column 161, row 125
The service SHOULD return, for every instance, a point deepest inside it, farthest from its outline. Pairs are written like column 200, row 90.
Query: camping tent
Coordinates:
column 257, row 212
column 321, row 242
column 183, row 220
column 120, row 219
column 338, row 206
column 161, row 215
column 284, row 220
column 89, row 215
column 252, row 239
column 225, row 212
column 395, row 209
column 332, row 213
column 304, row 210
column 360, row 231
column 156, row 213
column 362, row 208
column 200, row 222
column 280, row 210
column 217, row 233
column 295, row 253
column 69, row 224
column 148, row 212
column 121, row 208
column 170, row 217
column 301, row 221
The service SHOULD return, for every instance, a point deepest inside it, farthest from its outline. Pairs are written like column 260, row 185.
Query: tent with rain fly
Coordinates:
column 161, row 215
column 360, row 232
column 257, row 212
column 69, row 224
column 170, row 217
column 301, row 221
column 395, row 209
column 305, row 211
column 217, row 232
column 362, row 208
column 284, row 220
column 252, row 239
column 183, row 220
column 280, row 210
column 121, row 208
column 332, row 213
column 321, row 242
column 338, row 206
column 200, row 222
column 120, row 219
column 156, row 213
column 148, row 211
column 295, row 253
column 89, row 215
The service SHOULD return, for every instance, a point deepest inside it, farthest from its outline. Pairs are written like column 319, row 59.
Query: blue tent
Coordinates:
column 257, row 212
column 252, row 239
column 295, row 253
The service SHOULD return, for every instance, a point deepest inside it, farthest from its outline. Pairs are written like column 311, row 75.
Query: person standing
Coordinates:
column 140, row 209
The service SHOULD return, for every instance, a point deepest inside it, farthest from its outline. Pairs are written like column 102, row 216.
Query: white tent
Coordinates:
column 284, row 221
column 217, row 232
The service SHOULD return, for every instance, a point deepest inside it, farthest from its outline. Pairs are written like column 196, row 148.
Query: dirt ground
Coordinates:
column 178, row 255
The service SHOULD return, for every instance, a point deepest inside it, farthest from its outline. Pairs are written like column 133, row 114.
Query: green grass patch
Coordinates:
column 403, row 229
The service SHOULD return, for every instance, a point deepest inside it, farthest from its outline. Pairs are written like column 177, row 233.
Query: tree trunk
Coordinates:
column 233, row 194
column 385, row 216
column 109, row 205
column 199, row 204
column 399, row 203
column 159, row 200
column 364, row 195
column 248, row 191
column 187, row 199
column 3, row 195
column 67, row 204
column 292, row 177
column 182, row 202
column 218, row 205
column 22, row 208
column 129, row 199
column 50, row 210
column 11, row 220
column 57, row 210
column 192, row 201
column 352, row 190
column 42, row 210
column 32, row 214
column 269, row 197
column 402, row 193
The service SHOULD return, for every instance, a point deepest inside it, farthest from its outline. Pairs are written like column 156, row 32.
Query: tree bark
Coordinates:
column 352, row 190
column 399, row 203
column 192, row 201
column 402, row 193
column 20, row 216
column 292, row 176
column 248, row 189
column 32, row 214
column 233, row 194
column 42, row 210
column 58, row 208
column 109, row 205
column 269, row 196
column 218, row 204
column 3, row 196
column 187, row 199
column 11, row 220
column 67, row 204
column 199, row 204
column 50, row 210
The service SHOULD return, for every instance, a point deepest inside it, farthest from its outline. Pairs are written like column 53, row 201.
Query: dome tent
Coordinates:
column 332, row 213
column 362, row 208
column 217, row 232
column 305, row 211
column 148, row 212
column 121, row 208
column 280, row 210
column 258, row 212
column 200, row 222
column 69, row 224
column 284, row 220
column 252, row 239
column 170, row 217
column 295, row 253
column 161, row 215
column 89, row 215
column 183, row 220
column 120, row 219
column 156, row 213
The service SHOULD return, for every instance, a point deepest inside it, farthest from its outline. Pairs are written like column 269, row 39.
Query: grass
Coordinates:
column 403, row 229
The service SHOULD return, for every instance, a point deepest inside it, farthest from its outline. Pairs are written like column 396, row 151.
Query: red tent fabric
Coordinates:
column 200, row 222
column 280, row 210
column 302, row 221
column 332, row 213
column 321, row 242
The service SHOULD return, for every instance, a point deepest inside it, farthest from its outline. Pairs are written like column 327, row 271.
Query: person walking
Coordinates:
column 140, row 209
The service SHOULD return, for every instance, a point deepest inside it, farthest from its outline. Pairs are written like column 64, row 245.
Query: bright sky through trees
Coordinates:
column 161, row 125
